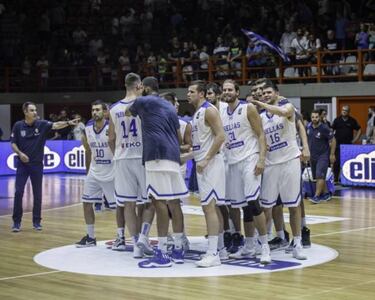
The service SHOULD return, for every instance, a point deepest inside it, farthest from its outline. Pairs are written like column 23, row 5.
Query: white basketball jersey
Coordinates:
column 101, row 167
column 222, row 108
column 202, row 135
column 241, row 141
column 128, row 132
column 182, row 127
column 281, row 139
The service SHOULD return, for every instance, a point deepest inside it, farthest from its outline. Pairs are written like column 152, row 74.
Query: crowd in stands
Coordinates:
column 116, row 36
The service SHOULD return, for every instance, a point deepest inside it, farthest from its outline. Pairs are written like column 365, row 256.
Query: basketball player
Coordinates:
column 99, row 166
column 208, row 137
column 125, row 136
column 230, row 218
column 282, row 175
column 161, row 154
column 245, row 150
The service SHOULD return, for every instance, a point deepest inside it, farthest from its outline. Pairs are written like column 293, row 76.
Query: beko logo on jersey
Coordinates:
column 131, row 144
column 75, row 158
column 51, row 159
column 361, row 168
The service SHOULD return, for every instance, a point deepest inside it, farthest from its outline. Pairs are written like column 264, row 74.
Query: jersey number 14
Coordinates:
column 131, row 129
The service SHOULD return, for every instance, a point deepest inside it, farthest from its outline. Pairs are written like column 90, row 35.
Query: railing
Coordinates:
column 353, row 65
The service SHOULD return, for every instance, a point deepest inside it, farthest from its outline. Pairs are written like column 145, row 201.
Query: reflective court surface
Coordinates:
column 46, row 265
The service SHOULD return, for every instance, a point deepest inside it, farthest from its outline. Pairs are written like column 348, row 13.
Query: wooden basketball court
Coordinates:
column 350, row 276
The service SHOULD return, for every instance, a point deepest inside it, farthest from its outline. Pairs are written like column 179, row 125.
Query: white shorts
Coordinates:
column 164, row 180
column 241, row 183
column 282, row 179
column 94, row 189
column 130, row 181
column 211, row 182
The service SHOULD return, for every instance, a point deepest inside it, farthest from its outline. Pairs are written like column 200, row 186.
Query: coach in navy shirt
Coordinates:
column 28, row 139
column 322, row 150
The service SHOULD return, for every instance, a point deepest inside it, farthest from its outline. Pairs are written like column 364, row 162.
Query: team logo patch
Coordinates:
column 100, row 260
column 23, row 133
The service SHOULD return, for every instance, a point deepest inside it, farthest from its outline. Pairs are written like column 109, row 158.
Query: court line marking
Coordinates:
column 29, row 275
column 334, row 289
column 47, row 209
column 343, row 231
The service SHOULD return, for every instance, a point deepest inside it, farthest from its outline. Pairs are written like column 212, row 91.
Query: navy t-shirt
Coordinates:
column 159, row 128
column 30, row 139
column 319, row 139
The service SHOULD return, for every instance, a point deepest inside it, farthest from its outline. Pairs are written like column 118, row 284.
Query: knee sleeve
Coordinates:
column 247, row 214
column 255, row 208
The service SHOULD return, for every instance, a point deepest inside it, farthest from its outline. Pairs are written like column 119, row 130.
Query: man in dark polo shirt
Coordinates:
column 344, row 127
column 28, row 139
column 322, row 150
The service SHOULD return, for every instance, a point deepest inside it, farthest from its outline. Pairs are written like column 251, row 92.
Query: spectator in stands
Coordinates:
column 152, row 64
column 286, row 39
column 235, row 57
column 95, row 44
column 187, row 68
column 370, row 129
column 341, row 24
column 26, row 68
column 204, row 58
column 104, row 68
column 323, row 117
column 42, row 66
column 220, row 57
column 79, row 37
column 194, row 58
column 124, row 61
column 162, row 65
column 344, row 127
column 313, row 46
column 78, row 129
column 256, row 58
column 300, row 48
column 174, row 54
column 44, row 30
column 331, row 44
column 371, row 33
column 362, row 37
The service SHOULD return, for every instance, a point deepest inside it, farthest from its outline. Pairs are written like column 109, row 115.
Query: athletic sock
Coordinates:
column 91, row 230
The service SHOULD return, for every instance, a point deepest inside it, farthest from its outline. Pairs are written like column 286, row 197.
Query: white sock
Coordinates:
column 91, row 230
column 263, row 239
column 145, row 228
column 281, row 234
column 269, row 227
column 134, row 239
column 178, row 240
column 297, row 241
column 303, row 222
column 250, row 242
column 162, row 245
column 220, row 241
column 231, row 226
column 121, row 232
column 212, row 244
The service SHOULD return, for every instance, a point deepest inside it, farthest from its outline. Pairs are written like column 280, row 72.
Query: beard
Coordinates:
column 229, row 99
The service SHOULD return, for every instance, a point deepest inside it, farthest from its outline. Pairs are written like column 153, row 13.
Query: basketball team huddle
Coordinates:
column 247, row 156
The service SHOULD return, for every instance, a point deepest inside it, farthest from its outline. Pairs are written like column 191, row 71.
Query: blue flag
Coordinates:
column 256, row 38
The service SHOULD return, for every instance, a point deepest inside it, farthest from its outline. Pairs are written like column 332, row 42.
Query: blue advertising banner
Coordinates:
column 357, row 165
column 59, row 156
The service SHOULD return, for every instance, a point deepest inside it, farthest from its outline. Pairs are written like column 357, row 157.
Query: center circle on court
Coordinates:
column 101, row 260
